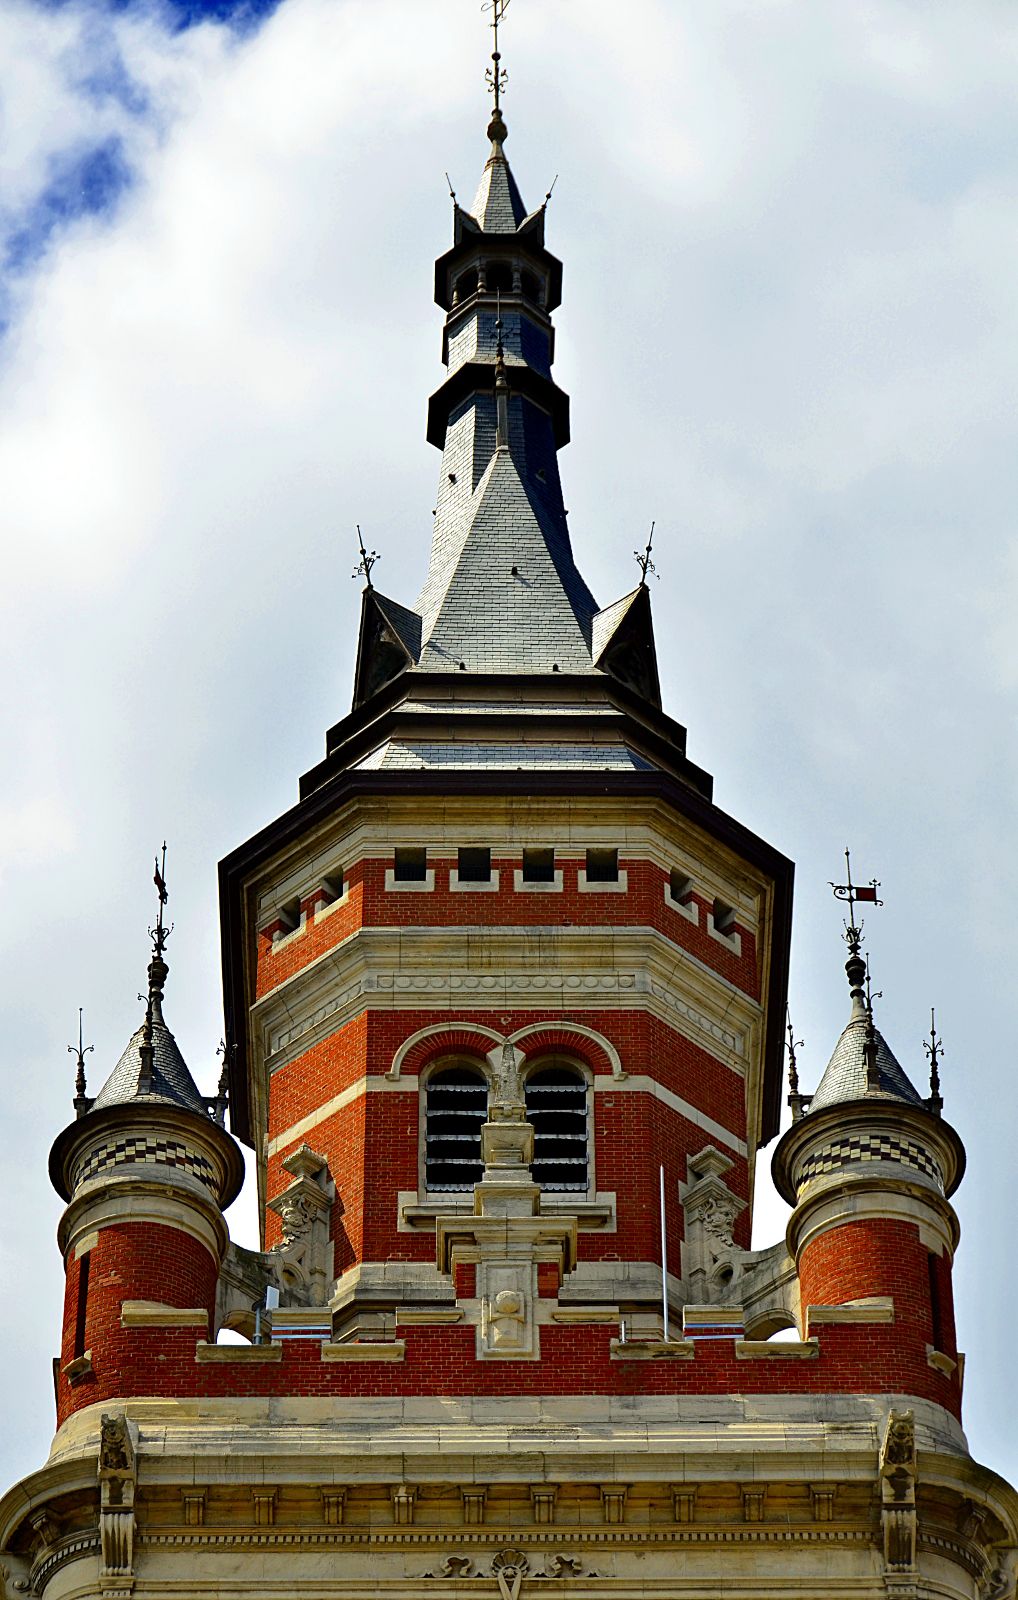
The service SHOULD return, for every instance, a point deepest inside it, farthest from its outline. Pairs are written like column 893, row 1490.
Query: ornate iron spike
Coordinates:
column 795, row 1099
column 366, row 562
column 643, row 560
column 81, row 1101
column 934, row 1048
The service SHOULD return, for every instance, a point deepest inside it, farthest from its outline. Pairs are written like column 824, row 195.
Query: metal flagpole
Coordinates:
column 664, row 1258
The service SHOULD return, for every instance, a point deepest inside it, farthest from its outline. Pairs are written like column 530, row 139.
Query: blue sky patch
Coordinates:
column 81, row 183
column 242, row 15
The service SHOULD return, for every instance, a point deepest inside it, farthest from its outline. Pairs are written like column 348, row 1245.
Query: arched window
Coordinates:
column 456, row 1105
column 556, row 1098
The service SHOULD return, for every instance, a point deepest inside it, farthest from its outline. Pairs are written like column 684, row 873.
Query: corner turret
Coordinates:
column 147, row 1170
column 869, row 1167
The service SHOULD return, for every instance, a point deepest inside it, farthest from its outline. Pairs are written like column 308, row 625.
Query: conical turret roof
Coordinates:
column 845, row 1077
column 152, row 1070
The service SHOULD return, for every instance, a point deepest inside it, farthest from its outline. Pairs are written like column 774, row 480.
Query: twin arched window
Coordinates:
column 456, row 1106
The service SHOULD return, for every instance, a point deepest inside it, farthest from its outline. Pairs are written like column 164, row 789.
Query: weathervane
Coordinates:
column 80, row 1050
column 366, row 562
column 934, row 1048
column 643, row 560
column 854, row 894
column 159, row 934
column 496, row 76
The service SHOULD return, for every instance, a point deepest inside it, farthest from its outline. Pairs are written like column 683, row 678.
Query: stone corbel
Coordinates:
column 118, row 1477
column 302, row 1262
column 898, row 1472
column 710, row 1209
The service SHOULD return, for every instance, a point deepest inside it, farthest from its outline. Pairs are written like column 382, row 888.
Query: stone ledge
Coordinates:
column 940, row 1362
column 393, row 1350
column 776, row 1349
column 429, row 1318
column 653, row 1350
column 585, row 1314
column 238, row 1354
column 151, row 1314
column 879, row 1309
column 79, row 1368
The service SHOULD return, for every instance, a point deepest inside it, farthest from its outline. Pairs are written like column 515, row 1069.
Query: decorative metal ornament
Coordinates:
column 855, row 894
column 366, row 562
column 643, row 560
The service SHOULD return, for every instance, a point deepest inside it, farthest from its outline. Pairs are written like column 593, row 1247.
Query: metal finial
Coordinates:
column 854, row 894
column 81, row 1101
column 797, row 1101
column 217, row 1105
column 159, row 934
column 934, row 1048
column 551, row 191
column 643, row 560
column 496, row 76
column 501, row 382
column 452, row 191
column 870, row 1042
column 366, row 562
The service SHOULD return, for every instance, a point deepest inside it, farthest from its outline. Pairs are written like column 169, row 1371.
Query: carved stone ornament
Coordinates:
column 507, row 1308
column 897, row 1492
column 117, row 1480
column 9, row 1584
column 999, row 1585
column 510, row 1567
column 302, row 1261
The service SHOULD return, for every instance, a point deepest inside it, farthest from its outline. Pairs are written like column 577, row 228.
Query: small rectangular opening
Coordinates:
column 81, row 1311
column 410, row 864
column 332, row 887
column 680, row 886
column 539, row 865
column 289, row 916
column 473, row 864
column 602, row 866
column 936, row 1310
column 724, row 917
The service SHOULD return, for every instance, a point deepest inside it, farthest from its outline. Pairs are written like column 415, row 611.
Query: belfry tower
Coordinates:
column 505, row 999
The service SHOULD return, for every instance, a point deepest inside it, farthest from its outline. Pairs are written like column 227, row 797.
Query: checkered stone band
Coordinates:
column 869, row 1147
column 151, row 1151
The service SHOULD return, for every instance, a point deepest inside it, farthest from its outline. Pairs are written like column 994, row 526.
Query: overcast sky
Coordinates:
column 790, row 333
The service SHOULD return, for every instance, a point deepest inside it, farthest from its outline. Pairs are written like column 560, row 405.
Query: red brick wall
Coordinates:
column 574, row 1361
column 882, row 1257
column 371, row 905
column 131, row 1261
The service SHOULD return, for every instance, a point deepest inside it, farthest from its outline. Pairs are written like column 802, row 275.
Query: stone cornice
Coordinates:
column 431, row 968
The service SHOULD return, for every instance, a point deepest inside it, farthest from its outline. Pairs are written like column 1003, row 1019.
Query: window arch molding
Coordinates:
column 563, row 1121
column 453, row 1103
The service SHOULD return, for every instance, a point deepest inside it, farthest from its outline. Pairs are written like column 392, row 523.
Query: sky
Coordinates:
column 790, row 333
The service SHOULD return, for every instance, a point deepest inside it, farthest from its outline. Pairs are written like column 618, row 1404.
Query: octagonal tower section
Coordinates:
column 505, row 897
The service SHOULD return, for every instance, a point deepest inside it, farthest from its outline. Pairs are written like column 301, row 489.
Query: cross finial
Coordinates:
column 366, row 562
column 80, row 1050
column 643, row 560
column 496, row 76
column 855, row 893
column 934, row 1048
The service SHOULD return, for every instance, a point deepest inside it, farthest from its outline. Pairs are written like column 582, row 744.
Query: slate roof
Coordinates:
column 844, row 1078
column 538, row 756
column 171, row 1082
column 498, row 205
column 475, row 610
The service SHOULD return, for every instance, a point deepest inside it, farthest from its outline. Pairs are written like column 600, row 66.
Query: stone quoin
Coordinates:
column 503, row 990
